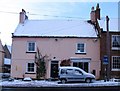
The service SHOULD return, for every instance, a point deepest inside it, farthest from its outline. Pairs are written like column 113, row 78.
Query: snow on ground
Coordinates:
column 44, row 83
column 20, row 83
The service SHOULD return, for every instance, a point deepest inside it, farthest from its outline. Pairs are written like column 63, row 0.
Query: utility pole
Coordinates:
column 108, row 47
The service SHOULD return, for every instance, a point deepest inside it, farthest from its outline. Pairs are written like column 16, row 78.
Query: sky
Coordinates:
column 54, row 9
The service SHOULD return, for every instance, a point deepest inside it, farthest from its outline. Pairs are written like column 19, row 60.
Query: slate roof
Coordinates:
column 55, row 28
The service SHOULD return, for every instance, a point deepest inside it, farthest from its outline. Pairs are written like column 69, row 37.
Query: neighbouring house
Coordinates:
column 114, row 48
column 7, row 59
column 1, row 57
column 77, row 40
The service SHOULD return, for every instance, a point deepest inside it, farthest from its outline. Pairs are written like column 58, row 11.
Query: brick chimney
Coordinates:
column 95, row 14
column 22, row 16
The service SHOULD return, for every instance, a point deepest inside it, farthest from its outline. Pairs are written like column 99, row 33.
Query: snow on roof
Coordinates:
column 9, row 48
column 113, row 24
column 57, row 28
column 7, row 61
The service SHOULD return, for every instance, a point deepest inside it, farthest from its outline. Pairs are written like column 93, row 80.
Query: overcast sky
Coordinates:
column 56, row 9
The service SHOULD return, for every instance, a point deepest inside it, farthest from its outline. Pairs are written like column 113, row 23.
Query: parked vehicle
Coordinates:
column 4, row 75
column 68, row 74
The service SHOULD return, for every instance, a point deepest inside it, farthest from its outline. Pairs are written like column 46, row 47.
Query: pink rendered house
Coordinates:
column 76, row 40
column 1, row 57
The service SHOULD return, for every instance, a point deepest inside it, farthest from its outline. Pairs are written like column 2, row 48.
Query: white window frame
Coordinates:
column 115, row 69
column 78, row 51
column 115, row 48
column 28, row 46
column 27, row 68
column 77, row 60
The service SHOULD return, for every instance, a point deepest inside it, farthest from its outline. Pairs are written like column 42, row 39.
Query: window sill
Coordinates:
column 30, row 73
column 84, row 53
column 115, row 48
column 115, row 69
column 30, row 52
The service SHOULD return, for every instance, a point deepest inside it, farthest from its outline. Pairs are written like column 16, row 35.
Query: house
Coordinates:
column 1, row 57
column 7, row 59
column 114, row 48
column 7, row 50
column 76, row 40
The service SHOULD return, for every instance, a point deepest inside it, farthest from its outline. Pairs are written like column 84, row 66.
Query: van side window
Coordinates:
column 69, row 71
column 63, row 71
column 78, row 72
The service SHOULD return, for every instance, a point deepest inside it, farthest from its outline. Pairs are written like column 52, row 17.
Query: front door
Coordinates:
column 54, row 69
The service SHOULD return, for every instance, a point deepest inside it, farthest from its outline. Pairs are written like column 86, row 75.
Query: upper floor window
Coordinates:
column 31, row 47
column 81, row 48
column 116, row 42
column 116, row 63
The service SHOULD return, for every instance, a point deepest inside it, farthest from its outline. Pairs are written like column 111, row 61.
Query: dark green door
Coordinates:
column 54, row 69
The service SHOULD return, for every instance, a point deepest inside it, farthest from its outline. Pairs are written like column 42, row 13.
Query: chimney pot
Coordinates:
column 92, row 9
column 23, row 11
column 97, row 7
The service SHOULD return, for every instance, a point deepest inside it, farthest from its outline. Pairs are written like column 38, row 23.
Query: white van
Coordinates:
column 68, row 74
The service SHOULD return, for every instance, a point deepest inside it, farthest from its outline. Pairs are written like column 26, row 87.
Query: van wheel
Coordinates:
column 63, row 81
column 88, row 80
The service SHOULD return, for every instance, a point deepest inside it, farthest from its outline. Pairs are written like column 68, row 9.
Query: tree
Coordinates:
column 40, row 64
column 65, row 62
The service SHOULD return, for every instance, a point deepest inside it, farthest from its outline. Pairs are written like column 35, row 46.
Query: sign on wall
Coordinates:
column 105, row 59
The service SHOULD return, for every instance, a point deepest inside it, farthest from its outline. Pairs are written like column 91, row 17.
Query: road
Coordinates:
column 109, row 88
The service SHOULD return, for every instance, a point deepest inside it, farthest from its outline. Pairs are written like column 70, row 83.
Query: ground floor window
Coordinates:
column 30, row 67
column 116, row 63
column 82, row 65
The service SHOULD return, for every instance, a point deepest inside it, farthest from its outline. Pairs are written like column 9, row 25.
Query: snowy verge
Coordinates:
column 44, row 83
